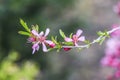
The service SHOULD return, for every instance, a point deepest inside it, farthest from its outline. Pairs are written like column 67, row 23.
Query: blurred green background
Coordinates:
column 68, row 15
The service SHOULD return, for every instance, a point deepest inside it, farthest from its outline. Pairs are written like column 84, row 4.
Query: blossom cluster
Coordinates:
column 112, row 52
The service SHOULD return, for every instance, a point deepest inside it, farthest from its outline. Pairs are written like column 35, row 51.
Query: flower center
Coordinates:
column 75, row 38
column 42, row 39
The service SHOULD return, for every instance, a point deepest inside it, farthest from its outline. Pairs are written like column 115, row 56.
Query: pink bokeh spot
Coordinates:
column 116, row 8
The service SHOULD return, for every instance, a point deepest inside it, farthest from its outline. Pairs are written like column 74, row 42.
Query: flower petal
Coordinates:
column 35, row 47
column 79, row 32
column 47, row 32
column 76, row 44
column 68, row 39
column 35, row 32
column 82, row 38
column 44, row 47
column 33, row 51
column 41, row 33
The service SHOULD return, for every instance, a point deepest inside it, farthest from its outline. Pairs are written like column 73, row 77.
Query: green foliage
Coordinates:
column 24, row 33
column 105, row 33
column 71, row 35
column 36, row 27
column 24, row 24
column 9, row 70
column 103, row 36
column 68, row 43
column 54, row 39
column 58, row 44
column 102, row 40
column 62, row 33
column 100, row 33
column 88, row 43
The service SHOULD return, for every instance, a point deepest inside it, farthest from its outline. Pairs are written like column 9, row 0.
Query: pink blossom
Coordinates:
column 116, row 63
column 113, row 47
column 40, row 38
column 117, row 74
column 112, row 53
column 107, row 61
column 76, row 38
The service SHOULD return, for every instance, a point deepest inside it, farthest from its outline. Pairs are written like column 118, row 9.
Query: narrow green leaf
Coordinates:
column 54, row 40
column 68, row 43
column 24, row 25
column 107, row 34
column 71, row 35
column 35, row 27
column 102, row 40
column 62, row 33
column 24, row 33
column 88, row 43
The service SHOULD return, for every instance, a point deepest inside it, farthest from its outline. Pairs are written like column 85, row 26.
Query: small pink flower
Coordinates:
column 76, row 38
column 40, row 38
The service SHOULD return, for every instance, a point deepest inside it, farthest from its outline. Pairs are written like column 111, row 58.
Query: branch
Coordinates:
column 94, row 41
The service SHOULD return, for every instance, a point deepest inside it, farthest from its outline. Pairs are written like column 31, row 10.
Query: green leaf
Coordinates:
column 62, row 33
column 102, row 40
column 36, row 27
column 100, row 33
column 71, row 35
column 24, row 33
column 24, row 25
column 107, row 34
column 54, row 40
column 68, row 43
column 88, row 43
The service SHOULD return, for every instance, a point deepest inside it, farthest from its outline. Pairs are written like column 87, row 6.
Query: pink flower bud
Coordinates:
column 52, row 45
column 67, row 49
column 31, row 39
